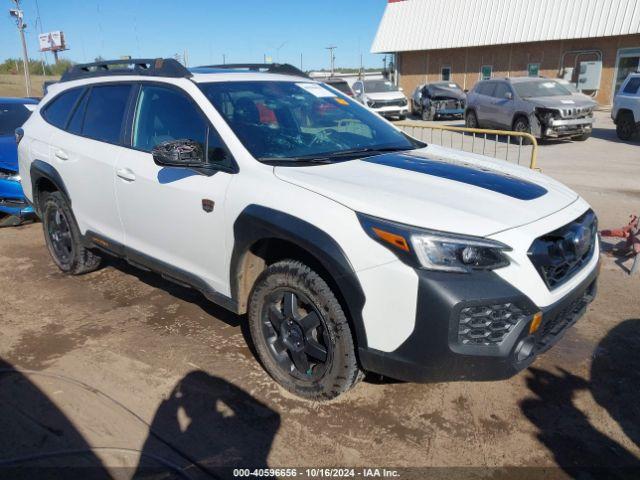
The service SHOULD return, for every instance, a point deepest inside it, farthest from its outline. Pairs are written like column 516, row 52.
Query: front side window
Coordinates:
column 105, row 111
column 535, row 88
column 633, row 86
column 165, row 114
column 287, row 120
column 12, row 116
column 501, row 90
column 57, row 111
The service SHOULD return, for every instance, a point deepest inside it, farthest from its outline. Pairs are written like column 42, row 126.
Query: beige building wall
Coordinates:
column 512, row 60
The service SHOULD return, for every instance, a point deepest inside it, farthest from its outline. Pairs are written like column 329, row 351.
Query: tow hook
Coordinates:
column 631, row 233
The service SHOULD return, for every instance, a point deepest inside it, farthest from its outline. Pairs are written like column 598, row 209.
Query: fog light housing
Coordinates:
column 488, row 324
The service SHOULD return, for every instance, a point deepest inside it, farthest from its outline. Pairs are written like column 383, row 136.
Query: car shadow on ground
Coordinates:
column 610, row 135
column 204, row 428
column 578, row 447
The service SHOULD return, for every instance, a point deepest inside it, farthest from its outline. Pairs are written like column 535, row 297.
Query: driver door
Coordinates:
column 173, row 215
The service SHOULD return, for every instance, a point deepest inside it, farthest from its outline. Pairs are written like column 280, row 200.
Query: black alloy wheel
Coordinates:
column 59, row 234
column 296, row 335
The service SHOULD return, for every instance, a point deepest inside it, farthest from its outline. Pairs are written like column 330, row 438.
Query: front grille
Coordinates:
column 559, row 321
column 389, row 103
column 487, row 324
column 559, row 255
column 575, row 112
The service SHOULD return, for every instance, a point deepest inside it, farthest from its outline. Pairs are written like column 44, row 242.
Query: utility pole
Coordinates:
column 332, row 58
column 224, row 58
column 19, row 16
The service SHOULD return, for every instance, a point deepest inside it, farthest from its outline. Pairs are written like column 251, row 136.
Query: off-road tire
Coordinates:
column 341, row 371
column 79, row 260
column 626, row 127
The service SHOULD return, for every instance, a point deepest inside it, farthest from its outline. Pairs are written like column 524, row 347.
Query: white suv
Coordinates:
column 350, row 246
column 626, row 108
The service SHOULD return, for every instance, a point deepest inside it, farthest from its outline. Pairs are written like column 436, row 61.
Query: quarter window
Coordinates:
column 105, row 112
column 57, row 111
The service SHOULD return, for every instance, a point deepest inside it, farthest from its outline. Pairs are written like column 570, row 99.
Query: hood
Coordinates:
column 437, row 188
column 8, row 153
column 385, row 95
column 442, row 91
column 564, row 101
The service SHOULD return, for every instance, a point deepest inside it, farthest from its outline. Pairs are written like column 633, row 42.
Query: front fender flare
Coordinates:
column 257, row 223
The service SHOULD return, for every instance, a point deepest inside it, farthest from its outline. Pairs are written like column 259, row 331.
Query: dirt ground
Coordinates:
column 121, row 370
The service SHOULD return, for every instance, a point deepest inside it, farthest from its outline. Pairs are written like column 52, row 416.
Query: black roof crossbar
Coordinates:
column 280, row 68
column 152, row 67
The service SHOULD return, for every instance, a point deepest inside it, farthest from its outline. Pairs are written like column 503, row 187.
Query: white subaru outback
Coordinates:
column 350, row 246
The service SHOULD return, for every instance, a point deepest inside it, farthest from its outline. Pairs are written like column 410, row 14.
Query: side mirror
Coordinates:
column 508, row 96
column 179, row 153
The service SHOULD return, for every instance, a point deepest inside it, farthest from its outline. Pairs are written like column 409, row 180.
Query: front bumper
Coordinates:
column 12, row 199
column 392, row 111
column 434, row 351
column 569, row 127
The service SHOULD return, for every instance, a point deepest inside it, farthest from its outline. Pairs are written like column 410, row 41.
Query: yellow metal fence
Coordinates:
column 515, row 147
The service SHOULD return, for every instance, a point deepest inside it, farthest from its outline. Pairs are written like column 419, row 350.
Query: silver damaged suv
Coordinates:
column 539, row 106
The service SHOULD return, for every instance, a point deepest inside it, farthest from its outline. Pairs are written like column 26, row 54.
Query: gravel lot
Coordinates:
column 128, row 370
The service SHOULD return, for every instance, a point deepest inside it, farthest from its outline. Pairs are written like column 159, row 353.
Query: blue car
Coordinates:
column 14, row 208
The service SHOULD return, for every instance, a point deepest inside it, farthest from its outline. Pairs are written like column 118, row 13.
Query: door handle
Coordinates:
column 126, row 174
column 61, row 155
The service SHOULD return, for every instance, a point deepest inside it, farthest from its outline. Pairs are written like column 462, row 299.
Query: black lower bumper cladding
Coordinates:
column 434, row 351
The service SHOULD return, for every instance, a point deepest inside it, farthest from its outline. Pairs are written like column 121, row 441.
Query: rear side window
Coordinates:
column 57, row 111
column 632, row 86
column 75, row 124
column 105, row 111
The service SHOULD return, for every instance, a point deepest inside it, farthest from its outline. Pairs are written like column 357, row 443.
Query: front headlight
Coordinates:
column 14, row 178
column 433, row 250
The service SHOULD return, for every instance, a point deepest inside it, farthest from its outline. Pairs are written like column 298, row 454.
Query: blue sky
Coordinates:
column 244, row 30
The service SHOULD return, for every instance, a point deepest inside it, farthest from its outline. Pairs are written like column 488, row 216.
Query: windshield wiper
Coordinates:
column 334, row 156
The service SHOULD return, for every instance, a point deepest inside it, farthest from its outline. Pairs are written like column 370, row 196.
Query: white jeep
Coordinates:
column 349, row 246
column 626, row 108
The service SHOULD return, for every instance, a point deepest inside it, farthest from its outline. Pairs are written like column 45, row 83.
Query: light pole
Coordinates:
column 332, row 58
column 19, row 16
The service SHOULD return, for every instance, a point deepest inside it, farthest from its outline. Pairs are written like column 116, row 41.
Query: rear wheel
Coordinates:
column 625, row 126
column 63, row 237
column 301, row 333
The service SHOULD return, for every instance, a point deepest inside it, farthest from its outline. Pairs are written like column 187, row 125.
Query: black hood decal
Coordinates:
column 463, row 173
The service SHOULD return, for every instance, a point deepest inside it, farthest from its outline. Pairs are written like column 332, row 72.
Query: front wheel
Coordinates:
column 63, row 237
column 625, row 126
column 522, row 125
column 301, row 333
column 471, row 120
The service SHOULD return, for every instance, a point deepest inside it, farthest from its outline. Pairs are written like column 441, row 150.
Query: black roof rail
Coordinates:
column 280, row 68
column 152, row 67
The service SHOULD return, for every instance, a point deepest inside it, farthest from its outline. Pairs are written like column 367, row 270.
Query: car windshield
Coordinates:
column 12, row 116
column 549, row 88
column 376, row 86
column 287, row 121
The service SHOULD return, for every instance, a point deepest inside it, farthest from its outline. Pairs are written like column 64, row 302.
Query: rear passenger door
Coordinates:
column 484, row 103
column 85, row 150
column 173, row 216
